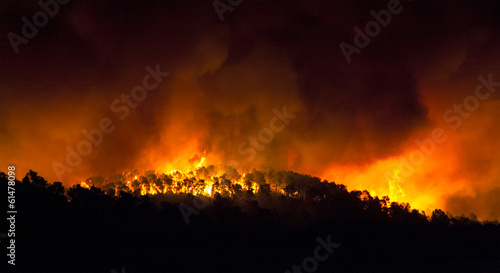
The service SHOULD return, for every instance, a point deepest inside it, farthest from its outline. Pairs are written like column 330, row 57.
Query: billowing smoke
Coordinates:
column 233, row 83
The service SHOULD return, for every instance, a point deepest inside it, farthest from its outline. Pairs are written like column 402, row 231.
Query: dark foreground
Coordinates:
column 328, row 230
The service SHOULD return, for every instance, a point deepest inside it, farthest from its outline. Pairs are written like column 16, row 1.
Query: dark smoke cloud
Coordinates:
column 227, row 77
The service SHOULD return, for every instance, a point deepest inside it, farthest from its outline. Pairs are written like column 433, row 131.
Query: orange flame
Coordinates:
column 201, row 162
column 396, row 193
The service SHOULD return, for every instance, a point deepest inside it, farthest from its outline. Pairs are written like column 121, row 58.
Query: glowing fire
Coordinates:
column 201, row 162
column 396, row 193
column 202, row 180
column 386, row 178
column 197, row 178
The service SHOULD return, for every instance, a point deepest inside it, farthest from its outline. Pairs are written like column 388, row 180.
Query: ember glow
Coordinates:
column 199, row 180
column 412, row 115
column 210, row 180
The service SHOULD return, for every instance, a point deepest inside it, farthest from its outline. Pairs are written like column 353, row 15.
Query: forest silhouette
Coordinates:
column 96, row 229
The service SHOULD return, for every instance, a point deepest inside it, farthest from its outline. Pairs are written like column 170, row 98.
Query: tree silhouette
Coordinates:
column 148, row 233
column 439, row 217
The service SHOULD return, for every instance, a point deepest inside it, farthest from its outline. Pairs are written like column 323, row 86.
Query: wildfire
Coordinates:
column 208, row 190
column 396, row 193
column 386, row 178
column 197, row 179
column 202, row 180
column 201, row 162
column 84, row 185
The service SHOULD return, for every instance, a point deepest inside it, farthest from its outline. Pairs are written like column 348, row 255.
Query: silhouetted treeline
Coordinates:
column 96, row 230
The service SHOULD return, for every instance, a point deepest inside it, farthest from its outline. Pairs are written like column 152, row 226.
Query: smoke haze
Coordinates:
column 353, row 123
